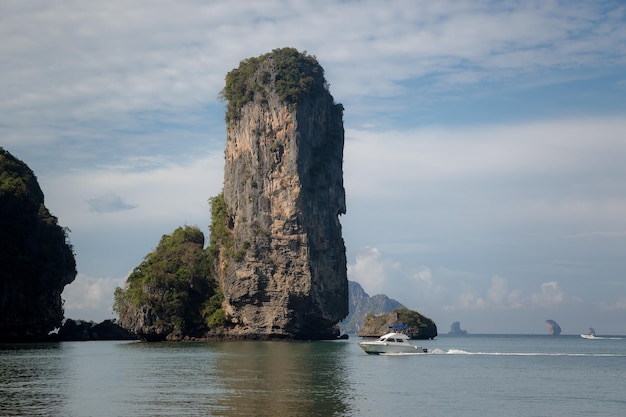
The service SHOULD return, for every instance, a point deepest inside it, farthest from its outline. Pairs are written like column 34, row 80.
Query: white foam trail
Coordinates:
column 463, row 352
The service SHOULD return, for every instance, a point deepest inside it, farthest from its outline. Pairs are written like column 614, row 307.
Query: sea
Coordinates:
column 473, row 375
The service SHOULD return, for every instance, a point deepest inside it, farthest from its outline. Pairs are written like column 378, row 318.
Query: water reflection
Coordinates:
column 175, row 379
column 31, row 378
column 283, row 379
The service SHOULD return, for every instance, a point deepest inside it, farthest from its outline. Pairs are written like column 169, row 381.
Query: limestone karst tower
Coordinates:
column 282, row 265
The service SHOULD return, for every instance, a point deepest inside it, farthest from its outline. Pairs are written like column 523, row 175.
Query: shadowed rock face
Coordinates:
column 285, row 275
column 36, row 261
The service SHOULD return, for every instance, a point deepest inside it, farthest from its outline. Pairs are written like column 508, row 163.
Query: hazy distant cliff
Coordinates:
column 281, row 262
column 36, row 260
column 361, row 304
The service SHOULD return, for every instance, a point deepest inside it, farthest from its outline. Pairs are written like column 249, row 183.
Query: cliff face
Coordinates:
column 285, row 274
column 36, row 261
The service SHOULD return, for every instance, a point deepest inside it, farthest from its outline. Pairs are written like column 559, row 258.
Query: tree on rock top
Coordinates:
column 291, row 74
column 171, row 294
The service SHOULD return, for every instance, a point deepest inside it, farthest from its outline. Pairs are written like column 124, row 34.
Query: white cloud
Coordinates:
column 501, row 297
column 468, row 301
column 498, row 292
column 427, row 154
column 372, row 270
column 549, row 296
column 619, row 304
column 67, row 61
column 108, row 203
column 544, row 178
column 90, row 298
column 162, row 190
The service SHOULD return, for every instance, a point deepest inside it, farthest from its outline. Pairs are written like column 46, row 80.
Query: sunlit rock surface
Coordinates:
column 285, row 275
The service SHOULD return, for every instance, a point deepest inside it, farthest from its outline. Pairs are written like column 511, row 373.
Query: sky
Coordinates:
column 484, row 142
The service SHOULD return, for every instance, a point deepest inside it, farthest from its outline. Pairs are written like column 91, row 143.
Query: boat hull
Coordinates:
column 374, row 348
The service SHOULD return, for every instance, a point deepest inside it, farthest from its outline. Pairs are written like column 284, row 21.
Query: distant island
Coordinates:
column 455, row 329
column 412, row 323
column 553, row 328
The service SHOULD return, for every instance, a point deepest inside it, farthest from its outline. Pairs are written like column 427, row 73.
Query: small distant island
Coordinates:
column 455, row 329
column 553, row 328
column 414, row 325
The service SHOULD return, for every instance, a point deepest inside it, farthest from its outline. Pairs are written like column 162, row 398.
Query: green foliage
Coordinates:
column 221, row 232
column 220, row 226
column 412, row 319
column 292, row 74
column 18, row 181
column 213, row 313
column 174, row 281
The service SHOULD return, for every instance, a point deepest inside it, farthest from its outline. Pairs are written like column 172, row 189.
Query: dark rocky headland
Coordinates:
column 36, row 258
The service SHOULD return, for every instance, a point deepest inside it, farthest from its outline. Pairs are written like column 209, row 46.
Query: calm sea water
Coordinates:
column 476, row 375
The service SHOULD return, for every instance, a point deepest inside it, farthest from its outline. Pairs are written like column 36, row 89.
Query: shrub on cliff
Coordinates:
column 36, row 258
column 418, row 326
column 171, row 291
column 292, row 75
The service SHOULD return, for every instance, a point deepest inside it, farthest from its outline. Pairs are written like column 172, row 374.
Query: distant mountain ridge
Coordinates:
column 360, row 304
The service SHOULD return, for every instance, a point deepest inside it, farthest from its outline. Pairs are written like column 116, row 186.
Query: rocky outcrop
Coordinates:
column 36, row 258
column 361, row 304
column 417, row 326
column 282, row 266
column 455, row 329
column 78, row 330
column 553, row 328
column 171, row 294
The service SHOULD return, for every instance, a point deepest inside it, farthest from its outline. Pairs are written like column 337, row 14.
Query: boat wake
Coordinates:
column 463, row 352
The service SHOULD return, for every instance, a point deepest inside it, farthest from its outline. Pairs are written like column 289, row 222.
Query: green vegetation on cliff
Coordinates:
column 36, row 258
column 177, row 289
column 290, row 73
column 221, row 235
column 172, row 291
column 417, row 323
column 418, row 326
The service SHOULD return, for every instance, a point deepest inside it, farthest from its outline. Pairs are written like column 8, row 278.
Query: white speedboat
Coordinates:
column 591, row 334
column 391, row 343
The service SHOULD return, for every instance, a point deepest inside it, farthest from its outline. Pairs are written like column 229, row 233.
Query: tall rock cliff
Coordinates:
column 283, row 266
column 36, row 259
